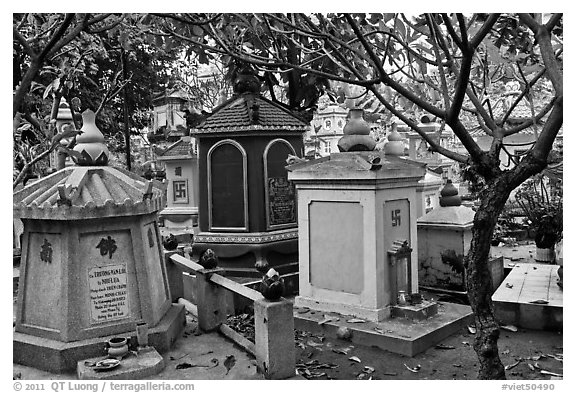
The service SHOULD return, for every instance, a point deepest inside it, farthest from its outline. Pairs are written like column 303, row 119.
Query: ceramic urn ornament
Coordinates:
column 208, row 260
column 272, row 285
column 90, row 143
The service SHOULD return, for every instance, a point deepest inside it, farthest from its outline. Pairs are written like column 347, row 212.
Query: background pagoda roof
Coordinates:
column 179, row 149
column 250, row 113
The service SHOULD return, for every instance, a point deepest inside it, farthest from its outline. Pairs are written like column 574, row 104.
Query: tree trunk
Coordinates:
column 479, row 281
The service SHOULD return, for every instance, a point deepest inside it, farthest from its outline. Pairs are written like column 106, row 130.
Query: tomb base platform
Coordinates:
column 529, row 297
column 356, row 311
column 417, row 312
column 148, row 362
column 397, row 335
column 240, row 253
column 58, row 357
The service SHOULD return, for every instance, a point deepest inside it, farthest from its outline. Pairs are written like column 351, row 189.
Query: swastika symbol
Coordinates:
column 179, row 189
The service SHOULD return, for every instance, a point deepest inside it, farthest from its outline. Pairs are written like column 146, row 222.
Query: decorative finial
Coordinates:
column 272, row 285
column 356, row 133
column 247, row 81
column 449, row 195
column 395, row 145
column 90, row 144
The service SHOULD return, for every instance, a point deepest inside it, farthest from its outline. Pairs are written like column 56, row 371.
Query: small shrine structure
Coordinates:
column 92, row 262
column 444, row 236
column 181, row 162
column 247, row 206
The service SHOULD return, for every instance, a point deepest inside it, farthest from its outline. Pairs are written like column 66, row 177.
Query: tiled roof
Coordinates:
column 177, row 149
column 250, row 113
column 90, row 192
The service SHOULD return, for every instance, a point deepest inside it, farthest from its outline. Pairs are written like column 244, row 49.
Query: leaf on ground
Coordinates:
column 356, row 320
column 511, row 366
column 472, row 329
column 378, row 330
column 369, row 370
column 355, row 359
column 531, row 367
column 183, row 366
column 414, row 370
column 325, row 320
column 360, row 376
column 539, row 301
column 444, row 346
column 465, row 343
column 506, row 352
column 510, row 328
column 311, row 343
column 550, row 373
column 393, row 374
column 303, row 310
column 457, row 365
column 343, row 351
column 508, row 285
column 229, row 363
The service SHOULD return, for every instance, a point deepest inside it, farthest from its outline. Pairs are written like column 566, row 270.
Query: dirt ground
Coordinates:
column 525, row 353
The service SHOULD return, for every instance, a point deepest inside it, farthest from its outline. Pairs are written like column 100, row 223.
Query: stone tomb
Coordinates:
column 444, row 236
column 247, row 206
column 92, row 263
column 352, row 214
column 358, row 250
column 181, row 212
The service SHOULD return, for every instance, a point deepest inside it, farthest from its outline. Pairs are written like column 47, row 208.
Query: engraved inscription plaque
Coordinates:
column 108, row 293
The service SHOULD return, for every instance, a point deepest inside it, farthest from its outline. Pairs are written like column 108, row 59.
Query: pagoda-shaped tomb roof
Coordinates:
column 76, row 193
column 250, row 113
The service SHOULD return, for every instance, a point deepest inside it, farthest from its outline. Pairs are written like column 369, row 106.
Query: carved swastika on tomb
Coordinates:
column 180, row 190
column 396, row 217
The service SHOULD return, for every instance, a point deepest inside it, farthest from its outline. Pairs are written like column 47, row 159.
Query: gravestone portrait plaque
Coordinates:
column 108, row 293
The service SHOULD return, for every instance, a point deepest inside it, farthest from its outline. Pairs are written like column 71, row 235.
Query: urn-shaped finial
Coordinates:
column 449, row 195
column 90, row 143
column 356, row 133
column 246, row 81
column 208, row 260
column 395, row 145
column 272, row 285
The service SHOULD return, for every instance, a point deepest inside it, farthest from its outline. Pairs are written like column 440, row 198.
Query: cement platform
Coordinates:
column 397, row 335
column 530, row 298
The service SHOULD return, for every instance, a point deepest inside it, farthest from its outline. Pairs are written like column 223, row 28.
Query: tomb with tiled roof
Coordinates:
column 247, row 206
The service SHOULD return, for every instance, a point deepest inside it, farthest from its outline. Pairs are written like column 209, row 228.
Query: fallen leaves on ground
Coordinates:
column 510, row 328
column 356, row 320
column 243, row 324
column 355, row 359
column 413, row 369
column 511, row 366
column 545, row 372
column 308, row 369
column 444, row 346
column 229, row 363
column 185, row 365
